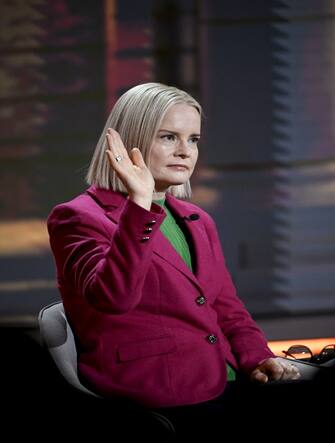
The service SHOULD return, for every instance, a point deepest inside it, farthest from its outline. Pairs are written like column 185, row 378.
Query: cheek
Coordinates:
column 195, row 157
column 156, row 157
column 159, row 155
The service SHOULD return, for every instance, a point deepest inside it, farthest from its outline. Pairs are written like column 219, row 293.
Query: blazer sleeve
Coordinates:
column 103, row 261
column 247, row 340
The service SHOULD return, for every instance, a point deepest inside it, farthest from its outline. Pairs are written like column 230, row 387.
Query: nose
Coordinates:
column 182, row 149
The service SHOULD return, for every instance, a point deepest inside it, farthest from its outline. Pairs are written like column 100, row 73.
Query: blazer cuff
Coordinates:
column 140, row 221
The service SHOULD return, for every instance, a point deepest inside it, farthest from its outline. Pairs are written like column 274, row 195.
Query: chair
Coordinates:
column 57, row 336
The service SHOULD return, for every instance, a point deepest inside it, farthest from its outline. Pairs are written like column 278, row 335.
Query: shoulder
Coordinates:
column 81, row 207
column 80, row 203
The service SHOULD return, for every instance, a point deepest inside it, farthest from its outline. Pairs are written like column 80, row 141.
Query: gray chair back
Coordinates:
column 57, row 337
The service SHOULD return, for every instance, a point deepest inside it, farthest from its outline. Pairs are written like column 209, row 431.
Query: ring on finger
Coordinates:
column 118, row 158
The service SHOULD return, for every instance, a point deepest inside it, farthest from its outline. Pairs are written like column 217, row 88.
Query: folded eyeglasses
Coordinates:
column 302, row 352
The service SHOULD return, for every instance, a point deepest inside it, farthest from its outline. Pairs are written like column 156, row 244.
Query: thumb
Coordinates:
column 259, row 376
column 137, row 158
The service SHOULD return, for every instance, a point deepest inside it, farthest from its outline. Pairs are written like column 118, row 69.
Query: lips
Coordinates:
column 178, row 166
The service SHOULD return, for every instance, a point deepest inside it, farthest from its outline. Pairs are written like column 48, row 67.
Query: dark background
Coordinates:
column 264, row 72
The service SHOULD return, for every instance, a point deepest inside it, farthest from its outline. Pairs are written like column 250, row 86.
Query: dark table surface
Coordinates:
column 33, row 393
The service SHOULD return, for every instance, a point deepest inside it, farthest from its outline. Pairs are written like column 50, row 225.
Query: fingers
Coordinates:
column 137, row 158
column 275, row 369
column 115, row 164
column 118, row 153
column 259, row 376
column 116, row 148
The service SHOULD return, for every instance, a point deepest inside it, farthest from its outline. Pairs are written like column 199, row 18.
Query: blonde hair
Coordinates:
column 137, row 115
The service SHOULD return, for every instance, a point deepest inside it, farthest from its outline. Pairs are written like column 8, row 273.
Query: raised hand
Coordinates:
column 131, row 170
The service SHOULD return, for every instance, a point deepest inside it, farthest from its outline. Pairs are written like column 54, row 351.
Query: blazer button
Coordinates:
column 147, row 230
column 151, row 222
column 145, row 238
column 201, row 300
column 212, row 339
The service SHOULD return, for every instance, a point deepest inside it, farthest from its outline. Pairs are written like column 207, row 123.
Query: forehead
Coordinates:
column 181, row 117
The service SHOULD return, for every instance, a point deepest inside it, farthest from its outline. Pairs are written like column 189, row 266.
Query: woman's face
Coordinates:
column 174, row 151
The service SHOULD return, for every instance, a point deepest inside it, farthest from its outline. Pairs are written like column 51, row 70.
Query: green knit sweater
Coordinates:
column 176, row 237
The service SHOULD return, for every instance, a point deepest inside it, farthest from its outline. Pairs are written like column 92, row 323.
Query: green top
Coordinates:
column 176, row 237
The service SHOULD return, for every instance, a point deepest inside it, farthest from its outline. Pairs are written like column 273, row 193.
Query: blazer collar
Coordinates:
column 113, row 202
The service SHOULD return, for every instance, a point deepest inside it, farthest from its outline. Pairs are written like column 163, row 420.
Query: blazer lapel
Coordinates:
column 165, row 250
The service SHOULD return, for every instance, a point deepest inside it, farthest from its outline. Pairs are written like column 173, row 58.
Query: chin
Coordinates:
column 173, row 182
column 177, row 182
column 179, row 179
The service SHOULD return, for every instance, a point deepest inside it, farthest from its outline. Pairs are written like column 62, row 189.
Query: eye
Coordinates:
column 168, row 137
column 194, row 140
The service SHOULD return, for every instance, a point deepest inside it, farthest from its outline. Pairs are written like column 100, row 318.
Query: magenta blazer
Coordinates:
column 146, row 327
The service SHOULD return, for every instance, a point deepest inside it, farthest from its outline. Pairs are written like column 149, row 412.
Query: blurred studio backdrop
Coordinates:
column 264, row 72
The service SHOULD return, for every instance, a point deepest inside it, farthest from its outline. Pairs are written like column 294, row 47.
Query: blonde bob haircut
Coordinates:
column 137, row 116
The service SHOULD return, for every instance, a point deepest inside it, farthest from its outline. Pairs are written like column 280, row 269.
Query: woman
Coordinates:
column 141, row 271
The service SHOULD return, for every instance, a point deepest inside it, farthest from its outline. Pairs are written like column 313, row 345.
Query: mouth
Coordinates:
column 178, row 167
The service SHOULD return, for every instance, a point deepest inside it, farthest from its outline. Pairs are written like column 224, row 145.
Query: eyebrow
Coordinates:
column 176, row 133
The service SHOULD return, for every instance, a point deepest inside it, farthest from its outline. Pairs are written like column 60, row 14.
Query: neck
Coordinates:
column 158, row 195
